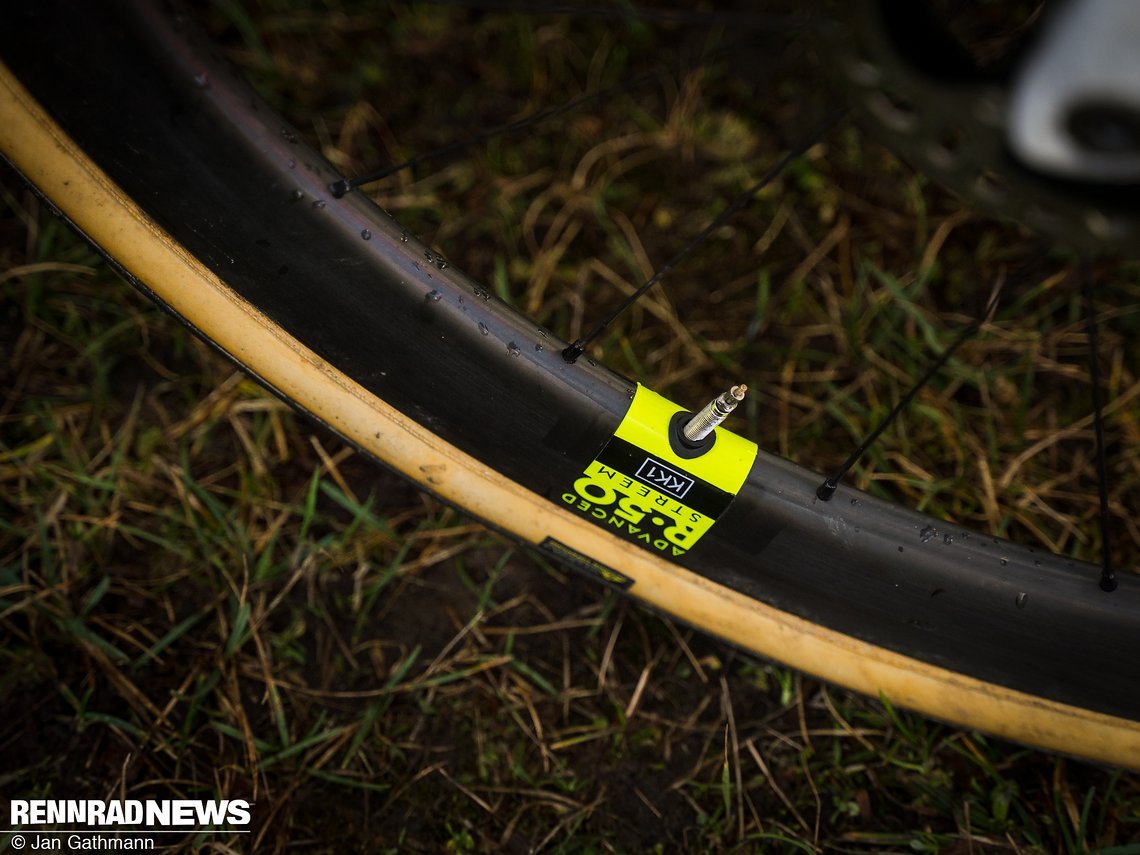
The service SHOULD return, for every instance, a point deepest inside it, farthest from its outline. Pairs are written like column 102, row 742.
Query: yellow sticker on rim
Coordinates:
column 652, row 490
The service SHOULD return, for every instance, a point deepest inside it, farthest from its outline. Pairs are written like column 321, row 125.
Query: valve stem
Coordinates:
column 714, row 412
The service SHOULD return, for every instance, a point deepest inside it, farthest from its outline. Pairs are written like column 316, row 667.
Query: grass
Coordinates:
column 201, row 593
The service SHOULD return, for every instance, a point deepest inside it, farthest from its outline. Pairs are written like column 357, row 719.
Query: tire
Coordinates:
column 190, row 185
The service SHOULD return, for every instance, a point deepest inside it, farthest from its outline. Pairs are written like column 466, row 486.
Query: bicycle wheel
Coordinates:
column 211, row 204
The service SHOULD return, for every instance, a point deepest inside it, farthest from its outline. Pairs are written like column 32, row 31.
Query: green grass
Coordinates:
column 201, row 592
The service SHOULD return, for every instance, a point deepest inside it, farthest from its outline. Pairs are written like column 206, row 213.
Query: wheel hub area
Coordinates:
column 1048, row 134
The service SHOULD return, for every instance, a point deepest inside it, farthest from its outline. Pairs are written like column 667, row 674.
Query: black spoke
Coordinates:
column 827, row 489
column 345, row 185
column 1107, row 574
column 339, row 188
column 573, row 351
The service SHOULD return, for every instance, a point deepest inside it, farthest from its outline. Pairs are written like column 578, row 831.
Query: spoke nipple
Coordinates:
column 339, row 188
column 572, row 352
column 714, row 412
column 1108, row 581
column 826, row 490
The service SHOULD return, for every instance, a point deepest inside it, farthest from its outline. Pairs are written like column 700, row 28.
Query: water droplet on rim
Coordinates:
column 537, row 346
column 927, row 534
column 1021, row 599
column 432, row 297
column 1004, row 562
column 296, row 196
column 483, row 328
column 367, row 235
column 319, row 203
column 404, row 237
column 202, row 80
column 947, row 538
column 513, row 349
